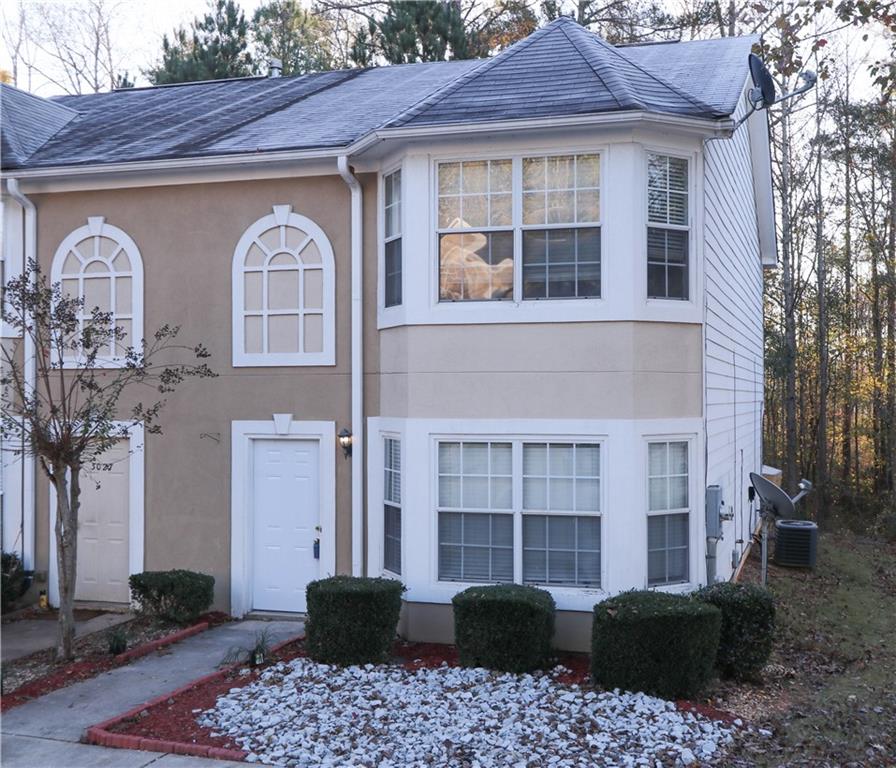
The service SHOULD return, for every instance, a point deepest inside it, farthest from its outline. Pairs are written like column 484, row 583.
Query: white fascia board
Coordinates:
column 323, row 160
column 763, row 192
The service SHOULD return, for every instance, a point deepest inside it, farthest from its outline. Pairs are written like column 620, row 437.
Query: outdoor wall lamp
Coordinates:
column 345, row 440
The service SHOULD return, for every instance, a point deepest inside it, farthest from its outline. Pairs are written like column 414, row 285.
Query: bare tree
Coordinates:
column 76, row 407
column 71, row 44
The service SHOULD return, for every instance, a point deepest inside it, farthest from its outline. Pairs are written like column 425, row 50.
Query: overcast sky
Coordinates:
column 140, row 25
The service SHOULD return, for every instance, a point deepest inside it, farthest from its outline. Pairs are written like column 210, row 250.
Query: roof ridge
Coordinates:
column 662, row 81
column 487, row 64
column 617, row 82
column 51, row 101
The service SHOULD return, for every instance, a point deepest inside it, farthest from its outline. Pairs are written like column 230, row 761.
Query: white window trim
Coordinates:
column 12, row 250
column 97, row 227
column 692, row 510
column 517, row 303
column 393, row 314
column 136, row 512
column 283, row 215
column 670, row 309
column 516, row 510
column 242, row 435
column 386, row 571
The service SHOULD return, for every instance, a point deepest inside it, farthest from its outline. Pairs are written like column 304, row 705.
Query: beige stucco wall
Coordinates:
column 554, row 370
column 434, row 623
column 186, row 236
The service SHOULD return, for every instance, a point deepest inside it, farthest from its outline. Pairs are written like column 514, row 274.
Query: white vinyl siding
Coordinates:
column 668, row 512
column 734, row 360
column 668, row 220
column 392, row 505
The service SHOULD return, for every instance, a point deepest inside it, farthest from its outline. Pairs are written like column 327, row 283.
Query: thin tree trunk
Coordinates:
column 848, row 361
column 821, row 463
column 68, row 494
column 789, row 298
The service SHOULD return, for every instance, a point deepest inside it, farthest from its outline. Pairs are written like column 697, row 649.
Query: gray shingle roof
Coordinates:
column 560, row 70
column 26, row 122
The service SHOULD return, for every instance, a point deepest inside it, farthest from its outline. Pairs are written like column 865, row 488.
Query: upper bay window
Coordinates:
column 519, row 228
column 667, row 227
column 101, row 264
column 283, row 293
column 392, row 239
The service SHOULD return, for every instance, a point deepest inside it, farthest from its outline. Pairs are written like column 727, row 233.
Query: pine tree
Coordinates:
column 301, row 40
column 427, row 30
column 216, row 48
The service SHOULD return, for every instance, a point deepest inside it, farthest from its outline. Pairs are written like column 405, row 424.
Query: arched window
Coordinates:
column 283, row 293
column 102, row 264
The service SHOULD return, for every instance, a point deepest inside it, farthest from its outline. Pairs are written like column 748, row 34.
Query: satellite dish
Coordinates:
column 773, row 499
column 763, row 93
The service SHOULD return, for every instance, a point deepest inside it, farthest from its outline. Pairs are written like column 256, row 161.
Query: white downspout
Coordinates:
column 357, row 375
column 28, row 480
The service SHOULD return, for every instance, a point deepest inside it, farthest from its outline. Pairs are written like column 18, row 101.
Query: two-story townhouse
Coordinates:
column 530, row 287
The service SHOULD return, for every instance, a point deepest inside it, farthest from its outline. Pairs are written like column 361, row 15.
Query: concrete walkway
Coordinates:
column 25, row 636
column 44, row 733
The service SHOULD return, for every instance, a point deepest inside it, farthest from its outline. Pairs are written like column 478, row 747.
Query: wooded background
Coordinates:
column 830, row 327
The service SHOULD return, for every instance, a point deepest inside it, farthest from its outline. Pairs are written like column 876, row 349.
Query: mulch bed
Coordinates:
column 36, row 675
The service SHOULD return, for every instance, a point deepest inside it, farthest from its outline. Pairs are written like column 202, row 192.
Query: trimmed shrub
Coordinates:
column 506, row 627
column 12, row 580
column 654, row 642
column 179, row 596
column 748, row 624
column 352, row 620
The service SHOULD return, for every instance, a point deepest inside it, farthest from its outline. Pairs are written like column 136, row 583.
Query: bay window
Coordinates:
column 392, row 505
column 392, row 239
column 667, row 227
column 550, row 491
column 540, row 215
column 475, row 512
column 668, row 513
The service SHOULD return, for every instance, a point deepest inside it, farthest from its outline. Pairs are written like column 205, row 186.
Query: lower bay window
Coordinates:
column 520, row 511
column 392, row 505
column 668, row 513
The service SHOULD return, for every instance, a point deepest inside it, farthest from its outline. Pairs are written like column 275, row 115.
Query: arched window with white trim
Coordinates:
column 102, row 264
column 283, row 293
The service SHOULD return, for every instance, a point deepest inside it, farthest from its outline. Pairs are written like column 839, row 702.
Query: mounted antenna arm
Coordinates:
column 763, row 94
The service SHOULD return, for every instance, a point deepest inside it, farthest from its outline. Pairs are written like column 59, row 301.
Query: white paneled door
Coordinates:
column 104, row 520
column 286, row 512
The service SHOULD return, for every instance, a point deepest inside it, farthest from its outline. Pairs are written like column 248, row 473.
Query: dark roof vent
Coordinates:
column 275, row 67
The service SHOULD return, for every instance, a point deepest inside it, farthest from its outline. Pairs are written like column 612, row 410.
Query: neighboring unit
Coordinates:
column 530, row 286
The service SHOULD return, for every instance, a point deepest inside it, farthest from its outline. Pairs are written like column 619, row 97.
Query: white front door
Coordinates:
column 286, row 513
column 103, row 523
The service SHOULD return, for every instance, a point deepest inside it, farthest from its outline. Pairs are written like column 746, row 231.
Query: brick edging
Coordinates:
column 153, row 645
column 101, row 735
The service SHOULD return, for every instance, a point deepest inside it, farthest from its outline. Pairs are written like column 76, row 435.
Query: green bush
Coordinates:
column 352, row 620
column 179, row 596
column 505, row 627
column 12, row 580
column 117, row 641
column 748, row 624
column 654, row 642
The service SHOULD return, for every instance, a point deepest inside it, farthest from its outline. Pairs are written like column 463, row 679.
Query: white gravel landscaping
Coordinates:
column 301, row 713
